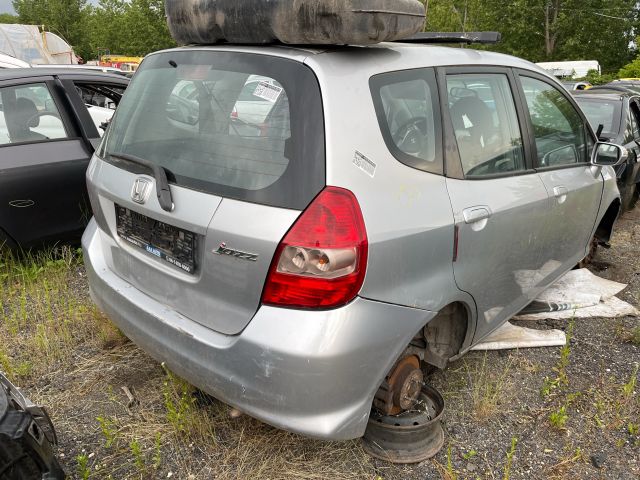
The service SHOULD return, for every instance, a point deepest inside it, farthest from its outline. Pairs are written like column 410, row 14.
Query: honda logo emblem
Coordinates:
column 140, row 190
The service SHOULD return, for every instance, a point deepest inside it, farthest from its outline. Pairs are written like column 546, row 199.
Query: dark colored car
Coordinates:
column 621, row 86
column 619, row 114
column 630, row 85
column 50, row 124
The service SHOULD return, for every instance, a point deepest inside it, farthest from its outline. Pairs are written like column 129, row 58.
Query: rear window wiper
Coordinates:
column 159, row 173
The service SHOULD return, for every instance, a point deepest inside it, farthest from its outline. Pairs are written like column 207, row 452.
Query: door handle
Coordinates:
column 560, row 193
column 475, row 214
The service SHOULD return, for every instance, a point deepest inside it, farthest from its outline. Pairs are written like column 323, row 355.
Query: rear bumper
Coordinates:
column 313, row 373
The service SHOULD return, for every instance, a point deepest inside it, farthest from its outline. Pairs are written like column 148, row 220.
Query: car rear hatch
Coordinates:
column 236, row 186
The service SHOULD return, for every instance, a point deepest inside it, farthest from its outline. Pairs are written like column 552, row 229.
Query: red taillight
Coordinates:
column 321, row 262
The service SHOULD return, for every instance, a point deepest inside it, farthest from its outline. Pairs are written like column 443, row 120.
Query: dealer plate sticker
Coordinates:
column 267, row 91
column 364, row 164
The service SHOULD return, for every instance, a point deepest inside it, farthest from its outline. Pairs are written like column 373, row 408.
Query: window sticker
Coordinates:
column 364, row 164
column 267, row 91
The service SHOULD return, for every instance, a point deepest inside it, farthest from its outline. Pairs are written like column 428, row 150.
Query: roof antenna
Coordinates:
column 173, row 64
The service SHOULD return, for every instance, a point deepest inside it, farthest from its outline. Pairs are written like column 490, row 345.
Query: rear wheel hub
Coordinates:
column 401, row 388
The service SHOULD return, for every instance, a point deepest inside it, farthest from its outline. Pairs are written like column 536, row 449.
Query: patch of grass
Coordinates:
column 43, row 314
column 488, row 388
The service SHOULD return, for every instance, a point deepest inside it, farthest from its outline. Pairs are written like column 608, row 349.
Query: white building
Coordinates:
column 577, row 69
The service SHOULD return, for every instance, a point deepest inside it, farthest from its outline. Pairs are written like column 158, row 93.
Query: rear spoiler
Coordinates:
column 454, row 37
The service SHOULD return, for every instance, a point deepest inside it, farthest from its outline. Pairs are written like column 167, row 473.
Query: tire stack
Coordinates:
column 27, row 438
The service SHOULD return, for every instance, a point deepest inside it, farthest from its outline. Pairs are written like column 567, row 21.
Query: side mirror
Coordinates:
column 609, row 154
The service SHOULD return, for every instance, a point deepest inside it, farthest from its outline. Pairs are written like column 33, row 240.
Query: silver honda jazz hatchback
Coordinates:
column 299, row 231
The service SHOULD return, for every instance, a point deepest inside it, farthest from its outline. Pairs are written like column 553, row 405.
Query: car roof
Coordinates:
column 385, row 57
column 611, row 89
column 19, row 73
column 600, row 96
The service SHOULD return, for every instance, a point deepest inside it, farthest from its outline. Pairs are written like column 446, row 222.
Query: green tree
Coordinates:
column 540, row 30
column 134, row 27
column 8, row 18
column 631, row 70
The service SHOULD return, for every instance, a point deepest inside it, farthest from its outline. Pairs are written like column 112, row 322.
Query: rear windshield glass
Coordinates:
column 236, row 125
column 602, row 112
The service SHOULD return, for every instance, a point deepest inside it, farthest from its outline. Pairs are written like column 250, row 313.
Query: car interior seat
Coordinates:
column 473, row 125
column 24, row 118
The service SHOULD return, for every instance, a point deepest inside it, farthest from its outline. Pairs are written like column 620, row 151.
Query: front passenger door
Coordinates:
column 562, row 146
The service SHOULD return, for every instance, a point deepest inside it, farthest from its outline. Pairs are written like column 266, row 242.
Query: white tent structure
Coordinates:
column 29, row 44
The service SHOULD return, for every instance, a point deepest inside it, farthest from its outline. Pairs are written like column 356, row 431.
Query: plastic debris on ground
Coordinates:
column 510, row 336
column 594, row 295
column 578, row 294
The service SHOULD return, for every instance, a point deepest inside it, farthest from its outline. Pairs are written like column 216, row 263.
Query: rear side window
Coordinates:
column 29, row 114
column 560, row 133
column 236, row 125
column 485, row 124
column 407, row 108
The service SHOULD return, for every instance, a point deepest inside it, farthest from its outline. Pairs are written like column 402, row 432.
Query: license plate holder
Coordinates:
column 166, row 242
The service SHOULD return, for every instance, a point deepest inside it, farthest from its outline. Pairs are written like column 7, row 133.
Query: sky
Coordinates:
column 7, row 7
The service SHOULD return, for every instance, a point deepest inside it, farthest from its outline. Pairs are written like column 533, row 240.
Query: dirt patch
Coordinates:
column 571, row 412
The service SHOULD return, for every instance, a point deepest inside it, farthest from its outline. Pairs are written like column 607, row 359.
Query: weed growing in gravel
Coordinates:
column 509, row 462
column 109, row 431
column 138, row 457
column 450, row 473
column 634, row 337
column 561, row 378
column 559, row 418
column 156, row 461
column 177, row 401
column 83, row 467
column 470, row 454
column 629, row 388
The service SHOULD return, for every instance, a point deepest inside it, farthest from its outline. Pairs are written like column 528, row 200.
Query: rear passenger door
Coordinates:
column 562, row 148
column 499, row 202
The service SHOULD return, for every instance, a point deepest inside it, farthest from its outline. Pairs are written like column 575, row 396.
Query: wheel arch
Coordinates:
column 604, row 230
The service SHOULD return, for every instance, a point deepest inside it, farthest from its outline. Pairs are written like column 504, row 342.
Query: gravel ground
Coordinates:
column 530, row 414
